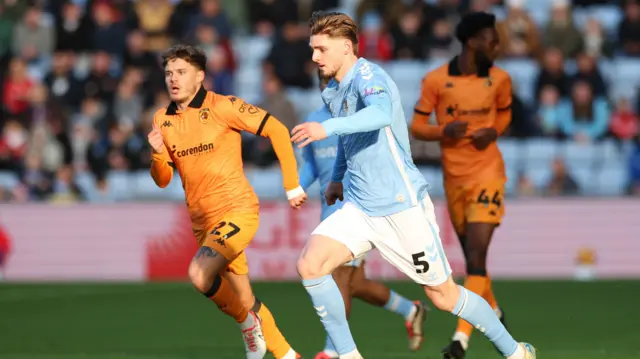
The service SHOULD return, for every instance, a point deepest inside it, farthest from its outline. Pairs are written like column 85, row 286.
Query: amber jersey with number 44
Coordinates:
column 482, row 100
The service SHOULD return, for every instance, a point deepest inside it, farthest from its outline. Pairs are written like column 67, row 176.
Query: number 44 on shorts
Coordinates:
column 484, row 198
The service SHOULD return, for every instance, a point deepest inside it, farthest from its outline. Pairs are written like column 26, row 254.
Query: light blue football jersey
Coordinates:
column 319, row 158
column 373, row 143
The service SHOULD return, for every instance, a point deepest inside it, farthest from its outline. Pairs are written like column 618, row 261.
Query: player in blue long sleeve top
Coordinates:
column 387, row 205
column 319, row 158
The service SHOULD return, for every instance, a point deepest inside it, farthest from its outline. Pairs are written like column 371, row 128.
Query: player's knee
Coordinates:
column 200, row 279
column 309, row 268
column 477, row 261
column 444, row 296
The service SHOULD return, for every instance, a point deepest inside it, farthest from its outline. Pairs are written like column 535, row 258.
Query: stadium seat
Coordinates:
column 609, row 17
column 578, row 155
column 120, row 186
column 511, row 152
column 538, row 174
column 612, row 180
column 584, row 178
column 523, row 74
column 8, row 179
column 541, row 150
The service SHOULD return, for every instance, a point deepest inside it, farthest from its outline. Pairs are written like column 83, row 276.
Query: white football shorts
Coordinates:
column 408, row 240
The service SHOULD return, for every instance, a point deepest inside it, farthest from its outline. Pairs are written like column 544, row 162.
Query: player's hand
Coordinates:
column 297, row 202
column 456, row 129
column 334, row 192
column 156, row 141
column 308, row 132
column 483, row 137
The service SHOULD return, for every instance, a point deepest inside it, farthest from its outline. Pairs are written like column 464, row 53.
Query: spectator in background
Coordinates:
column 595, row 41
column 16, row 88
column 100, row 82
column 179, row 22
column 65, row 189
column 561, row 32
column 33, row 39
column 549, row 100
column 6, row 35
column 219, row 77
column 561, row 182
column 390, row 10
column 584, row 118
column 136, row 53
column 441, row 43
column 277, row 103
column 109, row 33
column 373, row 41
column 207, row 38
column 589, row 72
column 624, row 122
column 290, row 57
column 13, row 145
column 518, row 33
column 552, row 73
column 211, row 14
column 128, row 103
column 629, row 28
column 36, row 181
column 73, row 28
column 62, row 85
column 408, row 42
column 268, row 16
column 153, row 17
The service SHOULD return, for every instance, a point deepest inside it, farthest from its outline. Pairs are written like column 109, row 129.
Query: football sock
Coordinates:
column 478, row 285
column 475, row 310
column 276, row 343
column 400, row 305
column 329, row 349
column 329, row 305
column 226, row 299
column 489, row 296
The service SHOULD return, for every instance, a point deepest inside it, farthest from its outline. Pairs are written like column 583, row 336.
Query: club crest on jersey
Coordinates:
column 204, row 115
column 489, row 82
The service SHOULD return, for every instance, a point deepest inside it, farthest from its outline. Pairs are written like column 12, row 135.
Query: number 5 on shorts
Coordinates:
column 421, row 265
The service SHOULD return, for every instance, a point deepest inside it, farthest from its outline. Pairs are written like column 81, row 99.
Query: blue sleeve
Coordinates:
column 601, row 117
column 374, row 93
column 549, row 118
column 340, row 165
column 309, row 172
column 566, row 122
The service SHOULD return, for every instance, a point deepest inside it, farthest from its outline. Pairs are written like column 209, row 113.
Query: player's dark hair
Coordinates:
column 472, row 24
column 334, row 24
column 191, row 54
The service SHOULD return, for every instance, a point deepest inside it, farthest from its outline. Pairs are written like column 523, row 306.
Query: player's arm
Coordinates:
column 246, row 117
column 504, row 100
column 420, row 128
column 340, row 165
column 309, row 171
column 377, row 113
column 161, row 163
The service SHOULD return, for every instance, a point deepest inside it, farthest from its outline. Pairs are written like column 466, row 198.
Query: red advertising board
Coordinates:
column 538, row 239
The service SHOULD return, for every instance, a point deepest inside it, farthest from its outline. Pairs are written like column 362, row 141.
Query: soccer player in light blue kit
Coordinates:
column 319, row 158
column 387, row 204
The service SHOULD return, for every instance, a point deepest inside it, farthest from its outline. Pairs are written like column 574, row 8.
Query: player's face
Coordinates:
column 183, row 80
column 329, row 53
column 488, row 47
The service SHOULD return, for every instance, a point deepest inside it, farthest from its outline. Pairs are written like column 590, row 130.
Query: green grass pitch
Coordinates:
column 564, row 320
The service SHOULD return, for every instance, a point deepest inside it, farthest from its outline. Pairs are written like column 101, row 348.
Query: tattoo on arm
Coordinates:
column 206, row 252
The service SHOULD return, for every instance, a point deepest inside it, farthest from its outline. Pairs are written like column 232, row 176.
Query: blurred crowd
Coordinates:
column 81, row 79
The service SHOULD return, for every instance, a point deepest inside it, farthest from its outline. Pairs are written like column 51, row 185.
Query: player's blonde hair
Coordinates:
column 335, row 25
